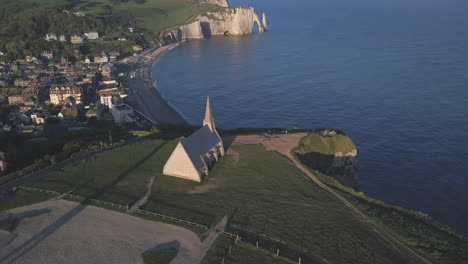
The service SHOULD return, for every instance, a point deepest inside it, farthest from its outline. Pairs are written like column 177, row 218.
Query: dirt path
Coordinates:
column 284, row 144
column 143, row 199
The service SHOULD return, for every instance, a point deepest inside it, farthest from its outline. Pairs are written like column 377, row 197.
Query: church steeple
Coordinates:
column 209, row 119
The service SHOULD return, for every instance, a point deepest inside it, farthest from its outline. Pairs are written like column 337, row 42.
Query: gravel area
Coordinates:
column 73, row 233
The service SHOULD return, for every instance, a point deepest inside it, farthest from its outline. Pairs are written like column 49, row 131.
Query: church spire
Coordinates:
column 209, row 119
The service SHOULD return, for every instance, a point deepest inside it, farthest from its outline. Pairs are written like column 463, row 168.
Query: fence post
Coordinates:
column 257, row 244
column 300, row 261
column 237, row 238
column 222, row 261
column 277, row 252
column 230, row 249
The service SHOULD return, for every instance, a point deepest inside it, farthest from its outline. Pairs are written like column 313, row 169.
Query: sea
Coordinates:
column 393, row 74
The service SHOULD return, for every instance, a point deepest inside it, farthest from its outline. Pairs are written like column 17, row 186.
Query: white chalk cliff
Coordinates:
column 229, row 21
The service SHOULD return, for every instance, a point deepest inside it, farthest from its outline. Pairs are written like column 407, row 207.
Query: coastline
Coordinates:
column 144, row 96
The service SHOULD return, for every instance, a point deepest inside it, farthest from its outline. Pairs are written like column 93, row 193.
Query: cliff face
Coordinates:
column 331, row 154
column 229, row 21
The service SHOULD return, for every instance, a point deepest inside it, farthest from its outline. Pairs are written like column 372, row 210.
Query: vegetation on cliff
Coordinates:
column 332, row 153
column 328, row 143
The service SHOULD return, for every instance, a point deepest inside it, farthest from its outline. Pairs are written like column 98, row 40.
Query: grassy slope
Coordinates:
column 163, row 256
column 119, row 176
column 241, row 253
column 153, row 15
column 263, row 191
column 435, row 241
column 326, row 145
column 22, row 198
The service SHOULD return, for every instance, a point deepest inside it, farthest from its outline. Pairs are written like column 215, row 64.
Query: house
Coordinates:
column 122, row 39
column 47, row 54
column 50, row 37
column 21, row 82
column 137, row 48
column 68, row 114
column 62, row 38
column 109, row 97
column 60, row 92
column 122, row 114
column 91, row 113
column 107, row 70
column 30, row 96
column 38, row 118
column 114, row 55
column 15, row 99
column 93, row 35
column 102, row 59
column 63, row 61
column 195, row 156
column 76, row 39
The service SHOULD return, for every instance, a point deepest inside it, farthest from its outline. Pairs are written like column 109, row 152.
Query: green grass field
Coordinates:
column 152, row 15
column 119, row 176
column 21, row 198
column 240, row 253
column 261, row 191
column 163, row 256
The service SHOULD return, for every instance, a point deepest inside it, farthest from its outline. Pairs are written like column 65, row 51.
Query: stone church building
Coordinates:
column 193, row 157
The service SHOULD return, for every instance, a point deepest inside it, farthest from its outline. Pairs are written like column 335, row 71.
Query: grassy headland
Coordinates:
column 435, row 241
column 259, row 189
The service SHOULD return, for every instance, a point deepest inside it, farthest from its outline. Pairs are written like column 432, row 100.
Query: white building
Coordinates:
column 62, row 38
column 76, row 39
column 93, row 35
column 50, row 37
column 60, row 92
column 195, row 156
column 122, row 114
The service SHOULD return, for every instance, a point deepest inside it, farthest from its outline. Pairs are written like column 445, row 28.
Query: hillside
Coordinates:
column 24, row 23
column 259, row 189
column 263, row 193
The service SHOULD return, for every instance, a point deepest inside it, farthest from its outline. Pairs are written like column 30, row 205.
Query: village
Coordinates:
column 40, row 96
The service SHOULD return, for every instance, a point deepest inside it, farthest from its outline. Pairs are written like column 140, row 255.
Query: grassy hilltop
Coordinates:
column 326, row 145
column 264, row 193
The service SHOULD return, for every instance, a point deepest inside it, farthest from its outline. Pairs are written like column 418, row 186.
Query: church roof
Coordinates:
column 199, row 143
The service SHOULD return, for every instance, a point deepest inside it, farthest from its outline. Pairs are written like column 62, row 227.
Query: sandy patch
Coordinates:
column 73, row 233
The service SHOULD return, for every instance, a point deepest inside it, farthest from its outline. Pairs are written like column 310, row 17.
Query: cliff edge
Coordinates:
column 331, row 153
column 225, row 21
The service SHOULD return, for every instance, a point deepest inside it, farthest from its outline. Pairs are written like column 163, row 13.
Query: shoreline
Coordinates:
column 144, row 95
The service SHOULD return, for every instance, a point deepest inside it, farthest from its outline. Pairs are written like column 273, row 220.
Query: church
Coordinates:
column 194, row 156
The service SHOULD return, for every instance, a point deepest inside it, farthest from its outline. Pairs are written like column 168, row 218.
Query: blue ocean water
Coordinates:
column 392, row 73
